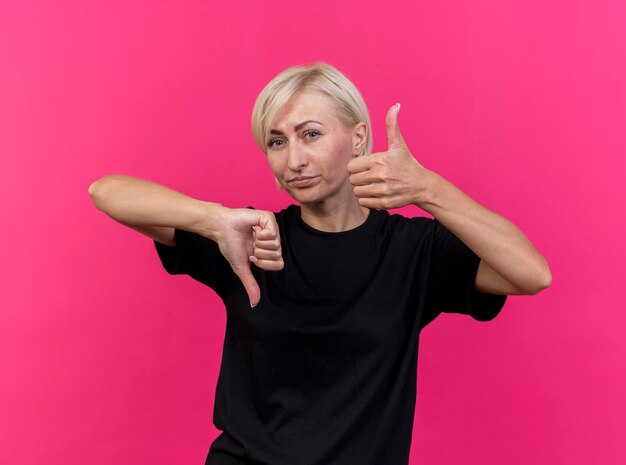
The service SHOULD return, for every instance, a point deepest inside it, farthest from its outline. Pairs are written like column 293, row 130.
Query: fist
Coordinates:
column 248, row 236
column 390, row 179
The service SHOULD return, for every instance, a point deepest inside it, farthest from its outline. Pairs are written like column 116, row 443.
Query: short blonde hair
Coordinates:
column 350, row 107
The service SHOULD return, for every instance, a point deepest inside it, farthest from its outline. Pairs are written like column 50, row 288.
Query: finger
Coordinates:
column 267, row 223
column 273, row 244
column 249, row 283
column 372, row 202
column 358, row 164
column 394, row 136
column 266, row 234
column 363, row 178
column 264, row 254
column 378, row 189
column 270, row 265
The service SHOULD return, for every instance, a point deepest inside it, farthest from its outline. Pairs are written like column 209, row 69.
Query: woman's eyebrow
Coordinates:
column 296, row 128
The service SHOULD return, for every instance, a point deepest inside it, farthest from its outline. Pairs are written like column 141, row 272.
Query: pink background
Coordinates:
column 106, row 359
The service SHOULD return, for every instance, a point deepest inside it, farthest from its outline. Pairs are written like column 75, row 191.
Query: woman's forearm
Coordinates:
column 138, row 202
column 497, row 241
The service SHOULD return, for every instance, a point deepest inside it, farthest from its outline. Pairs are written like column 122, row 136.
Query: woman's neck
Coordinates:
column 334, row 216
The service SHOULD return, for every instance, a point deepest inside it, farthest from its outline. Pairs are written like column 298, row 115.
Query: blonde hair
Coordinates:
column 349, row 105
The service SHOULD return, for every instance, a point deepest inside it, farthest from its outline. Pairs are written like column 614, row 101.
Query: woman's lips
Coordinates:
column 303, row 181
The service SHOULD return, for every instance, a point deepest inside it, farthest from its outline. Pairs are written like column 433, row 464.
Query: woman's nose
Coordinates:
column 297, row 157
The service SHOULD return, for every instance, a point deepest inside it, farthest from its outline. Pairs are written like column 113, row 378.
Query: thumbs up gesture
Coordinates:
column 248, row 236
column 390, row 179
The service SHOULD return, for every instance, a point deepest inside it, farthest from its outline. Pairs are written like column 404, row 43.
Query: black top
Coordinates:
column 323, row 371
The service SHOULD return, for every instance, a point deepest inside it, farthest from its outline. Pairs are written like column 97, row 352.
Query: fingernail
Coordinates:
column 398, row 105
column 252, row 306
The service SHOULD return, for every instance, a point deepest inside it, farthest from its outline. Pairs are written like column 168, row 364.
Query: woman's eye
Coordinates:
column 275, row 143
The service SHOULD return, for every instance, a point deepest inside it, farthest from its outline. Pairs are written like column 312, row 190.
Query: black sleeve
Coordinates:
column 198, row 257
column 451, row 278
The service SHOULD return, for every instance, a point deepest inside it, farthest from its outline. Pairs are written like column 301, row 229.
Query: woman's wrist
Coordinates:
column 430, row 185
column 208, row 217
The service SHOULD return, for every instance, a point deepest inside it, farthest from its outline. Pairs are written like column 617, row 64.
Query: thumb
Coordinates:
column 249, row 283
column 394, row 136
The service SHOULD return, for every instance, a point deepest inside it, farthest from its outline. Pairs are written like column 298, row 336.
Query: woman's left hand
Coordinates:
column 390, row 179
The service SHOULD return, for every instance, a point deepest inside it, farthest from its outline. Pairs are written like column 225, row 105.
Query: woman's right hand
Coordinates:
column 249, row 236
column 243, row 235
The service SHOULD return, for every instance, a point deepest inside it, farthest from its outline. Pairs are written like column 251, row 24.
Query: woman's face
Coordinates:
column 308, row 149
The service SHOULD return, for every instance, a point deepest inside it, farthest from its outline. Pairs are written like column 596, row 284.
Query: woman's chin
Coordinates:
column 303, row 198
column 312, row 195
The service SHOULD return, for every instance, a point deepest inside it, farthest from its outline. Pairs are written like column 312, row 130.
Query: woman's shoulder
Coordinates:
column 291, row 211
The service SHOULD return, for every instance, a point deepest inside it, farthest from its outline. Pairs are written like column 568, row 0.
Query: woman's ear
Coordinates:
column 359, row 139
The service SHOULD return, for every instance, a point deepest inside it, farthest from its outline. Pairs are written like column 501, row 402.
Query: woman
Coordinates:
column 323, row 369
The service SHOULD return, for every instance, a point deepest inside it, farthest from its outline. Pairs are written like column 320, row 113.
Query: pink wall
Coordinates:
column 106, row 359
